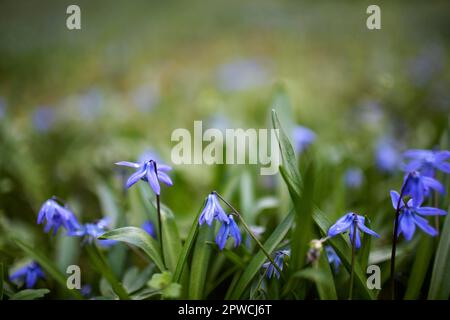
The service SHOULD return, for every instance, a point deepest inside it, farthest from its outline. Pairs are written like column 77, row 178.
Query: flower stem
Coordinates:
column 158, row 209
column 352, row 271
column 247, row 228
column 394, row 237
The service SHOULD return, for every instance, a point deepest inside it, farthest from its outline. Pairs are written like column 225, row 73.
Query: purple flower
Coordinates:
column 410, row 216
column 354, row 178
column 427, row 161
column 387, row 156
column 56, row 216
column 91, row 231
column 29, row 273
column 228, row 229
column 242, row 74
column 302, row 137
column 349, row 222
column 212, row 210
column 147, row 172
column 86, row 290
column 333, row 258
column 149, row 227
column 418, row 186
column 43, row 118
column 279, row 261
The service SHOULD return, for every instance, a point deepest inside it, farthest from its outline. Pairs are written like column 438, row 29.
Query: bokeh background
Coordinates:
column 74, row 102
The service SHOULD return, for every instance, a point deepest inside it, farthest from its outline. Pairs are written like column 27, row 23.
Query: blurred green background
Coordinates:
column 74, row 102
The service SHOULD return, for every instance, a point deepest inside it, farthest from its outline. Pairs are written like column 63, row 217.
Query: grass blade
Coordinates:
column 171, row 239
column 30, row 294
column 440, row 278
column 47, row 265
column 327, row 288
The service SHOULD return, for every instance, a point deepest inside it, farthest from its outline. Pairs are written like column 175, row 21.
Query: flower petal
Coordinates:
column 165, row 178
column 443, row 166
column 433, row 184
column 423, row 224
column 128, row 164
column 407, row 225
column 135, row 177
column 341, row 225
column 152, row 179
column 394, row 198
column 222, row 235
column 430, row 211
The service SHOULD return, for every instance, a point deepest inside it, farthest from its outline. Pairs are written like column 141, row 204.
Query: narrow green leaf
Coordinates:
column 327, row 288
column 108, row 202
column 171, row 239
column 200, row 262
column 188, row 245
column 134, row 279
column 30, row 294
column 1, row 280
column 419, row 269
column 47, row 265
column 259, row 259
column 343, row 250
column 99, row 262
column 440, row 278
column 139, row 238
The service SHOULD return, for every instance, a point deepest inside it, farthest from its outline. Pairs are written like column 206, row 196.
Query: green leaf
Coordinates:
column 30, row 294
column 171, row 239
column 365, row 247
column 419, row 269
column 108, row 202
column 139, row 238
column 259, row 259
column 135, row 279
column 343, row 250
column 440, row 278
column 188, row 245
column 200, row 262
column 47, row 265
column 1, row 280
column 99, row 262
column 326, row 288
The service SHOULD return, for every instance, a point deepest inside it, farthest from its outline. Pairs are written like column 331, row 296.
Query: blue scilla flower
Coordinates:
column 418, row 186
column 333, row 258
column 302, row 137
column 57, row 216
column 387, row 156
column 212, row 210
column 354, row 178
column 44, row 118
column 91, row 231
column 410, row 216
column 348, row 223
column 427, row 161
column 147, row 171
column 149, row 227
column 279, row 261
column 228, row 229
column 29, row 274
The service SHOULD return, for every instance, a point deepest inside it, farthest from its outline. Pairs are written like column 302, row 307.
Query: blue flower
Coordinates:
column 333, row 258
column 149, row 227
column 91, row 231
column 418, row 186
column 44, row 118
column 86, row 290
column 302, row 137
column 353, row 178
column 29, row 273
column 427, row 161
column 387, row 157
column 147, row 172
column 349, row 222
column 56, row 216
column 212, row 210
column 410, row 216
column 279, row 261
column 228, row 229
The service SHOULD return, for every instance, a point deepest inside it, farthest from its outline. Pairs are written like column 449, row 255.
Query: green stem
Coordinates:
column 158, row 209
column 247, row 228
column 394, row 237
column 352, row 271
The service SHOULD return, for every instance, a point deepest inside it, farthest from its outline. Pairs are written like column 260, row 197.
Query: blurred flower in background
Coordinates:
column 2, row 107
column 427, row 64
column 149, row 227
column 90, row 104
column 28, row 274
column 387, row 156
column 302, row 138
column 242, row 74
column 146, row 96
column 43, row 118
column 354, row 178
column 333, row 258
column 57, row 216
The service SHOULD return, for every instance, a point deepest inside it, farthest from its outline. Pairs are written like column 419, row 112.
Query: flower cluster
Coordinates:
column 229, row 228
column 418, row 183
column 56, row 216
